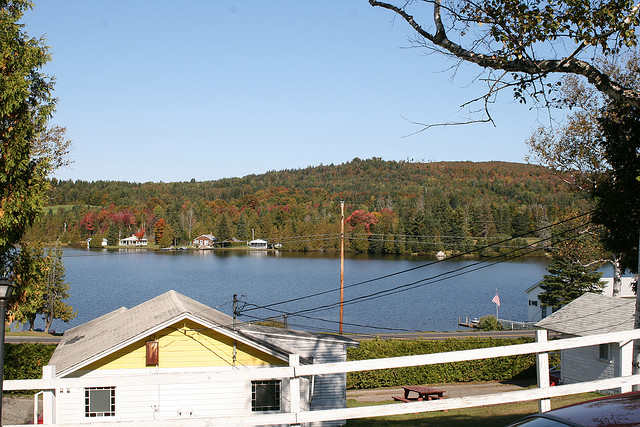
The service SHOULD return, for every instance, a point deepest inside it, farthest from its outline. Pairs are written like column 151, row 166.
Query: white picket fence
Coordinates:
column 624, row 381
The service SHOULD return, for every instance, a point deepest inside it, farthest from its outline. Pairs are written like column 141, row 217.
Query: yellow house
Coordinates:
column 175, row 336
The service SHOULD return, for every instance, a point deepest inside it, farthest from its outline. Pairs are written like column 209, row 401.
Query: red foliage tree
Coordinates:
column 88, row 222
column 368, row 219
column 159, row 229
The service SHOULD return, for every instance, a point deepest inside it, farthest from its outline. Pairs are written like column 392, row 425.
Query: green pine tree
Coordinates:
column 56, row 291
column 567, row 281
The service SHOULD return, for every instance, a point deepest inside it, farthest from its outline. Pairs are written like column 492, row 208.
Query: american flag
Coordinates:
column 496, row 300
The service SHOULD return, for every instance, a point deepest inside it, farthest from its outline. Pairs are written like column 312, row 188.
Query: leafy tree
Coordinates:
column 617, row 192
column 56, row 291
column 96, row 241
column 26, row 106
column 567, row 281
column 526, row 42
column 29, row 278
column 167, row 237
column 595, row 148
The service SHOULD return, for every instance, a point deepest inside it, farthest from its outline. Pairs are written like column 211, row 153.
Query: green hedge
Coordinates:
column 25, row 361
column 497, row 369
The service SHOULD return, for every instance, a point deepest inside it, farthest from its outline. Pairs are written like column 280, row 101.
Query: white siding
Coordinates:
column 329, row 391
column 215, row 399
column 584, row 364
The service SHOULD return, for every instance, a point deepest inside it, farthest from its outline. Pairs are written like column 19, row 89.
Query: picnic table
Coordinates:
column 423, row 393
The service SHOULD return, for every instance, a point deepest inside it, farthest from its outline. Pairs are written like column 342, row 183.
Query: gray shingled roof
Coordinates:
column 82, row 344
column 592, row 314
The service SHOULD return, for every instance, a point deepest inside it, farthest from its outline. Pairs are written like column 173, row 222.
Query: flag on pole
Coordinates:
column 496, row 300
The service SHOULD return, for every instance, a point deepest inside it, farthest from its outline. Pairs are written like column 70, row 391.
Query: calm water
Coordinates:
column 430, row 297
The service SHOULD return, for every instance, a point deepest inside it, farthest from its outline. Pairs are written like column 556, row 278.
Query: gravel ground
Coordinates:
column 451, row 390
column 17, row 410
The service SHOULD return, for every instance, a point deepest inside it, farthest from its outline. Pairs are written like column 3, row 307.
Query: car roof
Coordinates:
column 617, row 410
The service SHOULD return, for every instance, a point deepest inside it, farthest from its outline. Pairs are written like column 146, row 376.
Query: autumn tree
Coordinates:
column 159, row 229
column 595, row 149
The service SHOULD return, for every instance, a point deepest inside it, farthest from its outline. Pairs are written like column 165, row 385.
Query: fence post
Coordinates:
column 48, row 397
column 624, row 363
column 542, row 365
column 294, row 386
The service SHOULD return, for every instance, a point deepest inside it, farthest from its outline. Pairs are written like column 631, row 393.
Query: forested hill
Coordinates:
column 390, row 198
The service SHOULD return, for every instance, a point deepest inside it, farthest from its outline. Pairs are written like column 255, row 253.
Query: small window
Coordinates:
column 605, row 352
column 100, row 402
column 265, row 395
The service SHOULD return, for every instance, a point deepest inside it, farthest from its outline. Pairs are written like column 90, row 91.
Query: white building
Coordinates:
column 590, row 314
column 173, row 334
column 258, row 244
column 537, row 312
column 133, row 241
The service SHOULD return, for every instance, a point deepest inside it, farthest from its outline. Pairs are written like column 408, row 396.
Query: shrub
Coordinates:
column 496, row 369
column 489, row 323
column 25, row 361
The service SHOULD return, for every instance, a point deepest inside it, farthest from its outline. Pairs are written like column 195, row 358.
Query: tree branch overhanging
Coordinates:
column 510, row 60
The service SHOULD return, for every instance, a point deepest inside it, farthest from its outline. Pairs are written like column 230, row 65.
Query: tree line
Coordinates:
column 391, row 207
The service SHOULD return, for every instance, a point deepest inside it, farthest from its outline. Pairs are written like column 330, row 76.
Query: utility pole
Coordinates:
column 235, row 313
column 341, row 264
column 235, row 310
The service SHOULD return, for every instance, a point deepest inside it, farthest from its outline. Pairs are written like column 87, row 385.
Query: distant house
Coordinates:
column 537, row 312
column 231, row 241
column 133, row 241
column 205, row 241
column 590, row 314
column 258, row 244
column 173, row 334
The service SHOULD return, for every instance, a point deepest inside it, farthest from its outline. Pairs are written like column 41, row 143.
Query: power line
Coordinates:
column 420, row 266
column 405, row 287
column 421, row 282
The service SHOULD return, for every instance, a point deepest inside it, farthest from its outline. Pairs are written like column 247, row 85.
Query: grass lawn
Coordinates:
column 485, row 416
column 27, row 334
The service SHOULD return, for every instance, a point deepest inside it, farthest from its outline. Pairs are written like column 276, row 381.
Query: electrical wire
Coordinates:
column 409, row 286
column 419, row 266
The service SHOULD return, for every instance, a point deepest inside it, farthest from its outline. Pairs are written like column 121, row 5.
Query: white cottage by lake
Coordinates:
column 258, row 244
column 173, row 334
column 133, row 241
column 536, row 312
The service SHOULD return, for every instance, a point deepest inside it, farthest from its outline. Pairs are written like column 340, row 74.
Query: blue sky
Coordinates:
column 169, row 91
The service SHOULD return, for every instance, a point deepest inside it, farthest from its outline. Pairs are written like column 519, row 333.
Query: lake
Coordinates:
column 417, row 294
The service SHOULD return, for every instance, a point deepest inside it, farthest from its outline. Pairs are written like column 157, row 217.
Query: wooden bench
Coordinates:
column 402, row 399
column 424, row 393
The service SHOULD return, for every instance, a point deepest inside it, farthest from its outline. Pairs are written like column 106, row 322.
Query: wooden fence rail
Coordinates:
column 624, row 381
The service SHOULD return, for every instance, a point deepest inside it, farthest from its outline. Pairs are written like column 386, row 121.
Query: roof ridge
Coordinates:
column 177, row 300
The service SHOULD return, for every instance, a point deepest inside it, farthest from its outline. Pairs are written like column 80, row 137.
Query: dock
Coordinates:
column 469, row 324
